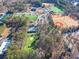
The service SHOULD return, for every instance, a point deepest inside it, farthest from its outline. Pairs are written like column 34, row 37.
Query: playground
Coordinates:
column 64, row 21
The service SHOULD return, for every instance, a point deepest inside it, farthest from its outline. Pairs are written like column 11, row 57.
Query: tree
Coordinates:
column 49, row 41
column 68, row 6
column 15, row 51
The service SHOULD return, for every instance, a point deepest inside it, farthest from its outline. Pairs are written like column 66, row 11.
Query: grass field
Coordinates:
column 56, row 9
column 30, row 17
column 29, row 39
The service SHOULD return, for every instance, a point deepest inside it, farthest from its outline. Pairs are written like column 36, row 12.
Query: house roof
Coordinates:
column 5, row 32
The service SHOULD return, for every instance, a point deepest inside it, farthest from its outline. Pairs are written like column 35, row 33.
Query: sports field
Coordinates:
column 64, row 21
column 57, row 10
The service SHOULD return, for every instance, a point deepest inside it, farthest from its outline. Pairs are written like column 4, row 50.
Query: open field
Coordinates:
column 57, row 10
column 29, row 39
column 64, row 21
column 30, row 17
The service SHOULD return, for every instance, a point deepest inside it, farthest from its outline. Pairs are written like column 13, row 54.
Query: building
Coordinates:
column 46, row 5
column 6, row 32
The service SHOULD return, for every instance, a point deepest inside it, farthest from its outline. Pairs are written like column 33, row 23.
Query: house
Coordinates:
column 6, row 32
column 47, row 5
column 39, row 10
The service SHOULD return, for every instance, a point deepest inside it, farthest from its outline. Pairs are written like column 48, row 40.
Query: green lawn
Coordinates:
column 56, row 9
column 30, row 17
column 28, row 42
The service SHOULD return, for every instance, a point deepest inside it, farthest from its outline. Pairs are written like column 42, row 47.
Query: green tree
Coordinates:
column 49, row 41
